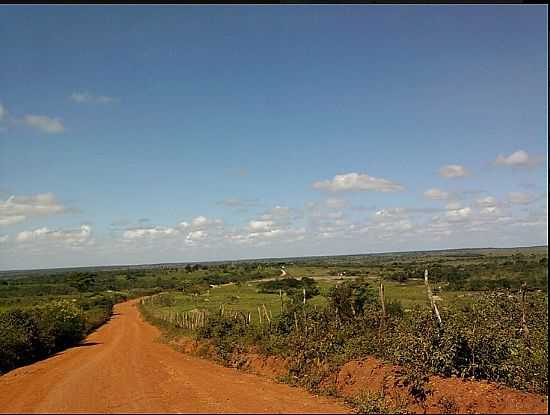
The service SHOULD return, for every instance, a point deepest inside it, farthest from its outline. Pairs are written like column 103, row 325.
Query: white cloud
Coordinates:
column 492, row 220
column 520, row 198
column 197, row 235
column 357, row 182
column 457, row 215
column 3, row 239
column 199, row 221
column 136, row 233
column 71, row 236
column 183, row 231
column 260, row 234
column 490, row 210
column 436, row 194
column 260, row 225
column 2, row 112
column 453, row 171
column 488, row 201
column 518, row 158
column 85, row 97
column 45, row 124
column 390, row 213
column 18, row 208
column 453, row 205
column 280, row 211
column 535, row 218
column 204, row 222
column 29, row 235
column 317, row 230
column 275, row 227
column 389, row 224
column 281, row 214
column 11, row 220
column 399, row 225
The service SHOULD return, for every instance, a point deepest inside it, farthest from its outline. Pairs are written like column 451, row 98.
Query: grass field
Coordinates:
column 246, row 298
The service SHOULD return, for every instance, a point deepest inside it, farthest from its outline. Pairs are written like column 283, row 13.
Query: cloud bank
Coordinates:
column 356, row 182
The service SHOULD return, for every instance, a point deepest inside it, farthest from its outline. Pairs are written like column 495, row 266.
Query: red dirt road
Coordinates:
column 122, row 368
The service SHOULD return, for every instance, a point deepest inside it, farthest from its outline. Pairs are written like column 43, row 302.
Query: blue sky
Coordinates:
column 150, row 134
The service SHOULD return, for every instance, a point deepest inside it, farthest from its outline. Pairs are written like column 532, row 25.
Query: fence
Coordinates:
column 195, row 319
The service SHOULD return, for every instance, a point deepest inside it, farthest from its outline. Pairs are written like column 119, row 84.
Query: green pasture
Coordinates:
column 246, row 298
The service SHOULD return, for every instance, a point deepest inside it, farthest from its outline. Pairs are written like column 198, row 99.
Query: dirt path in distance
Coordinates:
column 122, row 368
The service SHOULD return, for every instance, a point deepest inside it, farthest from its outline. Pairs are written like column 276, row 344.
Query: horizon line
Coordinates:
column 258, row 259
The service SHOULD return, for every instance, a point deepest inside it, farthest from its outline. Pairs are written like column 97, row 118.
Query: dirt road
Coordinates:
column 122, row 368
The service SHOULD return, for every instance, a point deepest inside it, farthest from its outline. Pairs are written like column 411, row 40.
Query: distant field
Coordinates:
column 450, row 254
column 247, row 299
column 461, row 273
column 243, row 298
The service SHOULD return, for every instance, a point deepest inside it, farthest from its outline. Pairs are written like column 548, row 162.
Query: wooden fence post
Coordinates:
column 382, row 299
column 266, row 314
column 431, row 297
column 383, row 304
column 524, row 329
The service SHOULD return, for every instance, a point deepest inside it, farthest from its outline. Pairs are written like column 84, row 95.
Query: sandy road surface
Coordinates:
column 122, row 368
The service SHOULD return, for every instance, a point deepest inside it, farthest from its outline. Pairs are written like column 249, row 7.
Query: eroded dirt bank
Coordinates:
column 123, row 368
column 373, row 375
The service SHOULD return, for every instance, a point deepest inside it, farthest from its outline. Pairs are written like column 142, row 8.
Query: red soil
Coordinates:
column 372, row 375
column 122, row 368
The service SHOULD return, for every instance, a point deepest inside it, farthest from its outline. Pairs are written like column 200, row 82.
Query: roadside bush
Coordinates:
column 61, row 324
column 227, row 334
column 375, row 403
column 95, row 317
column 482, row 340
column 27, row 335
column 20, row 341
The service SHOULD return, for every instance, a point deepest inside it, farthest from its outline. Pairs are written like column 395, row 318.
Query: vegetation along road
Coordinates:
column 122, row 368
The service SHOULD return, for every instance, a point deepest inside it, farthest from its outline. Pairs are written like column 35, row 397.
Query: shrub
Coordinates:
column 483, row 340
column 349, row 298
column 292, row 287
column 61, row 323
column 227, row 334
column 20, row 340
column 31, row 334
column 375, row 403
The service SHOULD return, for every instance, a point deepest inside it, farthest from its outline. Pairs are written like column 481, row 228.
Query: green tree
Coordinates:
column 350, row 297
